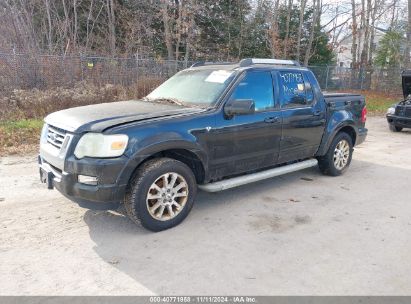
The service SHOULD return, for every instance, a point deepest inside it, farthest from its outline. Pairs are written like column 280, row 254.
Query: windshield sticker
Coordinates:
column 218, row 76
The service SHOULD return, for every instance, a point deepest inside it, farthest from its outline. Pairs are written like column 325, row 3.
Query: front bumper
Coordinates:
column 107, row 194
column 399, row 121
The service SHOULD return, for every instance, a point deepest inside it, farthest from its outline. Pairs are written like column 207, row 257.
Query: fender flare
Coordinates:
column 141, row 155
column 328, row 138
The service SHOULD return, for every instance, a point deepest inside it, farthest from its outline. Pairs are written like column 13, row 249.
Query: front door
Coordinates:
column 248, row 142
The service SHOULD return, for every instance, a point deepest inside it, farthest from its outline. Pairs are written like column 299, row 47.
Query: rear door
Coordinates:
column 303, row 116
column 248, row 142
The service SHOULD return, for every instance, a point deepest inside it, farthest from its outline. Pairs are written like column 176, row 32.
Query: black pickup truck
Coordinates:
column 211, row 126
column 399, row 115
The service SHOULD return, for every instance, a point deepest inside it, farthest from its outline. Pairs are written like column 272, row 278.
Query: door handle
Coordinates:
column 272, row 119
column 317, row 113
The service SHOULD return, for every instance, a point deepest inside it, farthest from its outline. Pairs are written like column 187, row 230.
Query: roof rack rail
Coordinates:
column 202, row 63
column 250, row 61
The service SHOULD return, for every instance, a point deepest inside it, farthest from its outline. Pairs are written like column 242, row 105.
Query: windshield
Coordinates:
column 196, row 87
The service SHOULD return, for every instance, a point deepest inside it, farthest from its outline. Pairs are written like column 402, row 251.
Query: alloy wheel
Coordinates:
column 167, row 196
column 341, row 154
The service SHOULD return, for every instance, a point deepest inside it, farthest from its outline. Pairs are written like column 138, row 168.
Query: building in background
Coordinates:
column 344, row 56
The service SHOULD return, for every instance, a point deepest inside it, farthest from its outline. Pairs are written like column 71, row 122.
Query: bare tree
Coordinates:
column 190, row 27
column 273, row 35
column 394, row 13
column 75, row 31
column 407, row 63
column 300, row 27
column 179, row 26
column 168, row 37
column 378, row 6
column 49, row 31
column 317, row 7
column 367, row 32
column 354, row 29
column 111, row 25
column 287, row 28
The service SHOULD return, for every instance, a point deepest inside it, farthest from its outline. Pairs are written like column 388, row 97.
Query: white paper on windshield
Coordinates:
column 219, row 76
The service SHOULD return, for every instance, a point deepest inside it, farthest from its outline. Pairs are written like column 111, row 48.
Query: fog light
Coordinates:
column 88, row 180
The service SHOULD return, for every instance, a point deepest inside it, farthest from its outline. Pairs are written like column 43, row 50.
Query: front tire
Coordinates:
column 394, row 128
column 338, row 157
column 161, row 195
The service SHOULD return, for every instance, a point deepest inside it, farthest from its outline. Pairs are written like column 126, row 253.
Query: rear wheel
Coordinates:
column 161, row 195
column 394, row 128
column 338, row 157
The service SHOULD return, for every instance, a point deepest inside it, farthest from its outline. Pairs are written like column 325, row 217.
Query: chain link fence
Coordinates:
column 21, row 71
column 332, row 78
column 18, row 71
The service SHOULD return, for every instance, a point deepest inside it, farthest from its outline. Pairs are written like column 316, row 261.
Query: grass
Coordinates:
column 19, row 136
column 23, row 124
column 378, row 102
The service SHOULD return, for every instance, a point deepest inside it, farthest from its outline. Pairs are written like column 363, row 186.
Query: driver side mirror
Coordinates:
column 239, row 107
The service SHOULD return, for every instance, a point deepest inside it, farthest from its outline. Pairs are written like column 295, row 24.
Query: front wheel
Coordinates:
column 395, row 128
column 161, row 195
column 338, row 157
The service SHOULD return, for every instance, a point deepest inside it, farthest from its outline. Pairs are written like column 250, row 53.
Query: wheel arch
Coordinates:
column 350, row 131
column 190, row 158
column 194, row 158
column 346, row 128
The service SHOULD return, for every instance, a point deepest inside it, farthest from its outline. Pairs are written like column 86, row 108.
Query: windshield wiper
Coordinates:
column 164, row 99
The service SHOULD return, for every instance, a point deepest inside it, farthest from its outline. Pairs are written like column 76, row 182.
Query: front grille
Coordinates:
column 56, row 136
column 403, row 110
column 400, row 110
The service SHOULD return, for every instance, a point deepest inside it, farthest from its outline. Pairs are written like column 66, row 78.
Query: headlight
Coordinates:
column 43, row 136
column 99, row 145
column 391, row 111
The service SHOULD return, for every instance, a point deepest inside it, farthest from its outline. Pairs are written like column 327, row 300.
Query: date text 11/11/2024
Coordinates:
column 203, row 299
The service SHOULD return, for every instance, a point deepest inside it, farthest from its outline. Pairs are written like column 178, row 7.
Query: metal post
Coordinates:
column 362, row 78
column 81, row 67
column 326, row 77
column 137, row 74
column 16, row 74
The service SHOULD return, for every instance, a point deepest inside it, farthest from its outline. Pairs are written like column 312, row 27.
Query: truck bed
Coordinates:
column 344, row 100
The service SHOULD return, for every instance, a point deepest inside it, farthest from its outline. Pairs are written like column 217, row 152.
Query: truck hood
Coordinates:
column 98, row 117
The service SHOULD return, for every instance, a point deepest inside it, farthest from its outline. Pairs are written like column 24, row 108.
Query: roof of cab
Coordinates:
column 249, row 63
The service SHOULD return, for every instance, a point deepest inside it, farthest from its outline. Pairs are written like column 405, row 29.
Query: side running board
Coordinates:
column 254, row 177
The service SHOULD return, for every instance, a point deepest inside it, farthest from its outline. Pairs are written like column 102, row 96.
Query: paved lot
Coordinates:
column 299, row 234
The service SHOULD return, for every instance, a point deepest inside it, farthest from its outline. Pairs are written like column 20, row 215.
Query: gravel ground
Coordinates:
column 298, row 234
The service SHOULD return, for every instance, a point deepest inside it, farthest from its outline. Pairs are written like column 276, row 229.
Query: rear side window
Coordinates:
column 258, row 86
column 295, row 92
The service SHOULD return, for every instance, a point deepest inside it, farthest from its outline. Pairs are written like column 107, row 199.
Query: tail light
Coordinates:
column 364, row 114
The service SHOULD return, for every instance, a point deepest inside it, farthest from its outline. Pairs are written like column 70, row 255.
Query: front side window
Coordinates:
column 258, row 86
column 294, row 91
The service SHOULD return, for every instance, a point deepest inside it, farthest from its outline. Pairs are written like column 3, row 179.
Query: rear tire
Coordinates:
column 338, row 157
column 161, row 194
column 394, row 128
